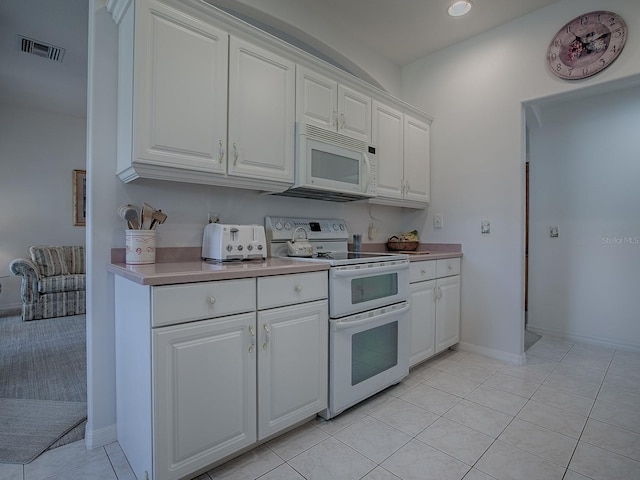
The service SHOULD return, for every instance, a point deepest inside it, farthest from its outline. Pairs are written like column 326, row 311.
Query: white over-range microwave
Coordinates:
column 332, row 166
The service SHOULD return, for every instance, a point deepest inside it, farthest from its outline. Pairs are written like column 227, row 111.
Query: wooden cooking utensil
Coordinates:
column 158, row 218
column 147, row 214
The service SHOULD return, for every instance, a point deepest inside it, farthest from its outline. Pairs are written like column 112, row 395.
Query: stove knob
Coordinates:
column 278, row 225
column 229, row 248
column 239, row 248
column 249, row 247
column 342, row 226
column 259, row 247
column 287, row 226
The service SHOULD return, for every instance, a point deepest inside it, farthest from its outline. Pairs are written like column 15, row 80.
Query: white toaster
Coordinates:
column 233, row 242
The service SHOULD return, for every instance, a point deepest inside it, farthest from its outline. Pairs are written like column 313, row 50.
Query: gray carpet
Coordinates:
column 43, row 360
column 29, row 427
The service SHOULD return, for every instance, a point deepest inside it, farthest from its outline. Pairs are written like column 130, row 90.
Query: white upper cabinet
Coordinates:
column 261, row 113
column 324, row 102
column 173, row 92
column 387, row 134
column 179, row 100
column 417, row 160
column 403, row 152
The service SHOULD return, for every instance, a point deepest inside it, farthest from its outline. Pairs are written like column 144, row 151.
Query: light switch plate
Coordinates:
column 438, row 221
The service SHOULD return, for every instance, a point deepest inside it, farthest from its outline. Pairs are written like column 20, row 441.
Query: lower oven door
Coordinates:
column 368, row 352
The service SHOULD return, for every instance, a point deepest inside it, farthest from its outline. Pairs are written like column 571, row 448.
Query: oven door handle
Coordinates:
column 342, row 324
column 352, row 271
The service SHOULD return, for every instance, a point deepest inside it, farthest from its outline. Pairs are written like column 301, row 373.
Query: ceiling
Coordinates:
column 400, row 30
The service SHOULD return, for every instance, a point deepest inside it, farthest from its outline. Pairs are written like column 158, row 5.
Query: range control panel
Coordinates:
column 283, row 228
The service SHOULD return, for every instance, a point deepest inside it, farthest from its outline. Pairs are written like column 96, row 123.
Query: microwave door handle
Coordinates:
column 352, row 272
column 367, row 165
column 343, row 324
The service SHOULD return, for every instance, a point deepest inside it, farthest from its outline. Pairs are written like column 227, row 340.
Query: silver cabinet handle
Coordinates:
column 335, row 118
column 265, row 345
column 342, row 120
column 235, row 154
column 252, row 334
column 221, row 152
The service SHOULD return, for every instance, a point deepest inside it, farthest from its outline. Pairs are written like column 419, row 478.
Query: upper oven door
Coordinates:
column 365, row 286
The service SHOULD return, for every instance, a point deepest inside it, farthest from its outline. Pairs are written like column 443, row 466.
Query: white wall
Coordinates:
column 475, row 91
column 320, row 31
column 38, row 152
column 585, row 178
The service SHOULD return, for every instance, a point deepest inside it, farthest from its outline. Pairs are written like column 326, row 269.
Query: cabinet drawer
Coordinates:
column 419, row 271
column 194, row 301
column 290, row 289
column 447, row 267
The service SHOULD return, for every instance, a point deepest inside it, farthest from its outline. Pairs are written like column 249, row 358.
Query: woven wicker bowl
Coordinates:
column 394, row 243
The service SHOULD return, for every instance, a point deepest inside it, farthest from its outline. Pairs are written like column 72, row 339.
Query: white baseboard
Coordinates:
column 10, row 308
column 100, row 437
column 511, row 358
column 601, row 342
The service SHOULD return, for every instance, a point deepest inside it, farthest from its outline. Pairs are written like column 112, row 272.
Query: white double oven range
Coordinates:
column 368, row 308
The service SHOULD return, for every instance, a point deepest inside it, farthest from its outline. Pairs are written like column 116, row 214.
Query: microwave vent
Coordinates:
column 40, row 49
column 335, row 138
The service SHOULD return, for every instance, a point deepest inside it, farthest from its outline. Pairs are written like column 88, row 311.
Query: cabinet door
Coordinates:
column 261, row 113
column 447, row 312
column 316, row 99
column 354, row 114
column 417, row 160
column 180, row 93
column 423, row 318
column 387, row 137
column 293, row 365
column 204, row 391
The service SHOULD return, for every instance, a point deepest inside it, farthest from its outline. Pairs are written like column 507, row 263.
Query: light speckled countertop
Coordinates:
column 198, row 271
column 183, row 265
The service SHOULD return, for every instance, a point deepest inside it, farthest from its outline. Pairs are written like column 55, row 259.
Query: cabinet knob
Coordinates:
column 298, row 288
column 212, row 300
column 423, row 271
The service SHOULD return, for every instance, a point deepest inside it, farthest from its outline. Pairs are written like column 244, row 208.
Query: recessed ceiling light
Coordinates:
column 459, row 7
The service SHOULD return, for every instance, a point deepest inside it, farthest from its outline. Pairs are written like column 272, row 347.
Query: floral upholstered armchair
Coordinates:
column 53, row 281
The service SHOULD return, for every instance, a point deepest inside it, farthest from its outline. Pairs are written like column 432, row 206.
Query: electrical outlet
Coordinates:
column 438, row 221
column 485, row 226
column 214, row 217
column 553, row 231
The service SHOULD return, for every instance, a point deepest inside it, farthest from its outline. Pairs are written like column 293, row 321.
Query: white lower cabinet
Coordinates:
column 204, row 395
column 197, row 390
column 435, row 307
column 292, row 358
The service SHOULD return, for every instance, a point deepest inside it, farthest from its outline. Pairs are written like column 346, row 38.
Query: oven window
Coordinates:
column 375, row 287
column 373, row 351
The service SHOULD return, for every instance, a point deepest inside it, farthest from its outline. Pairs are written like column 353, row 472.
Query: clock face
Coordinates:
column 586, row 45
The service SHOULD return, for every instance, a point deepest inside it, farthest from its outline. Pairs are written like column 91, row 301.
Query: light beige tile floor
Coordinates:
column 571, row 413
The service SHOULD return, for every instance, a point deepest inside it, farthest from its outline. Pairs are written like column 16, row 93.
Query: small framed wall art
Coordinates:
column 79, row 198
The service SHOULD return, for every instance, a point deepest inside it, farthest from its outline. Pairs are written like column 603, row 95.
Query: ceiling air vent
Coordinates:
column 41, row 49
